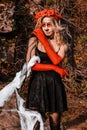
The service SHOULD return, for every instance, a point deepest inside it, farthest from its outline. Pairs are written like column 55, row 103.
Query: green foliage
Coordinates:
column 50, row 2
column 14, row 26
column 82, row 39
column 3, row 42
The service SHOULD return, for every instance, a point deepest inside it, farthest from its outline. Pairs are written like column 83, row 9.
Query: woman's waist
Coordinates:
column 46, row 73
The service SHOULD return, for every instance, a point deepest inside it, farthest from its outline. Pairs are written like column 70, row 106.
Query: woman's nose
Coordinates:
column 46, row 28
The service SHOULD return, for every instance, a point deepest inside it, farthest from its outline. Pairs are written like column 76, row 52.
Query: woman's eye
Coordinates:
column 49, row 24
column 43, row 24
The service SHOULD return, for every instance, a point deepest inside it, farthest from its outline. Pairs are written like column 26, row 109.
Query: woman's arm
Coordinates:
column 43, row 67
column 38, row 66
column 31, row 48
column 47, row 67
column 56, row 59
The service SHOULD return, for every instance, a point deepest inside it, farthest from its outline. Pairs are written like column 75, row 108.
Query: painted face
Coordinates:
column 48, row 26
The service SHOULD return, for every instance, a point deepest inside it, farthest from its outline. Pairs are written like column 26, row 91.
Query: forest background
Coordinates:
column 16, row 25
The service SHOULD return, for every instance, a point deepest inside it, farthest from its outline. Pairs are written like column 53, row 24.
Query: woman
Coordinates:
column 46, row 90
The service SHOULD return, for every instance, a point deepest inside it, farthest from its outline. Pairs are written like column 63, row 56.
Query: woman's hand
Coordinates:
column 61, row 71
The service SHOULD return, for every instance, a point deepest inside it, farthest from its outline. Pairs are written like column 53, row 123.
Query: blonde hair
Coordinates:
column 57, row 31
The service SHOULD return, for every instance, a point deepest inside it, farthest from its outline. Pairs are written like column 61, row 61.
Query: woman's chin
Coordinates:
column 50, row 36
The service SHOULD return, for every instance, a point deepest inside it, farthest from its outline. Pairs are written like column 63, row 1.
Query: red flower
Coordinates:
column 46, row 12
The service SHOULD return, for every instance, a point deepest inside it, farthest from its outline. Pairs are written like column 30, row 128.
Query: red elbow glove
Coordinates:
column 47, row 67
column 56, row 59
column 61, row 71
column 42, row 67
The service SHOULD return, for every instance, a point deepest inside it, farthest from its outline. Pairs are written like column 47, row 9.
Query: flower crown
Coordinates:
column 46, row 12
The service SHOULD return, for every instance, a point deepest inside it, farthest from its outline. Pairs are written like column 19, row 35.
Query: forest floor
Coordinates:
column 76, row 116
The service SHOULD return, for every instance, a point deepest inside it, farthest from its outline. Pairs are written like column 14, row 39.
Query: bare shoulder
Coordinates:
column 64, row 47
column 63, row 50
column 32, row 40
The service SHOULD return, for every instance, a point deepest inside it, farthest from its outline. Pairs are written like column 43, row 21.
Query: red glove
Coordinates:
column 47, row 67
column 61, row 71
column 42, row 67
column 56, row 59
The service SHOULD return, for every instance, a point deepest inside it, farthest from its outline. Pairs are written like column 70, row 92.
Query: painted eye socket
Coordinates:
column 43, row 24
column 49, row 24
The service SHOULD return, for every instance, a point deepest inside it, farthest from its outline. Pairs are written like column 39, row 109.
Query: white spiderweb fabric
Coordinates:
column 28, row 118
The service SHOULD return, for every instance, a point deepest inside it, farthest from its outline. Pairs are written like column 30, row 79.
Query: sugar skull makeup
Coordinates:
column 48, row 26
